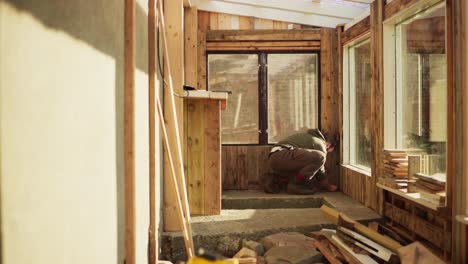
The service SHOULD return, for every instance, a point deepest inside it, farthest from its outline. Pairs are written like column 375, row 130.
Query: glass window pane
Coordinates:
column 292, row 94
column 422, row 86
column 237, row 73
column 360, row 119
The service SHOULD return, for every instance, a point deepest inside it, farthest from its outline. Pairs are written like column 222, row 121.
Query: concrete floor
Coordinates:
column 254, row 214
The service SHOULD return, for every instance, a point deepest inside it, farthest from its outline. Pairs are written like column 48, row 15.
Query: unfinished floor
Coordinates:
column 253, row 214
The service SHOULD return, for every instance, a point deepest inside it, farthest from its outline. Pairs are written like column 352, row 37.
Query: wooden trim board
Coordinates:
column 356, row 31
column 263, row 35
column 129, row 135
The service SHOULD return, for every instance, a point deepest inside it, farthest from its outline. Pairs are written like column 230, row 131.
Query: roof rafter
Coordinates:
column 222, row 6
column 322, row 9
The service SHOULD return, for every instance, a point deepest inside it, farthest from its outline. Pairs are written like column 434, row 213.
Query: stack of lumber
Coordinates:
column 430, row 187
column 423, row 163
column 353, row 242
column 395, row 169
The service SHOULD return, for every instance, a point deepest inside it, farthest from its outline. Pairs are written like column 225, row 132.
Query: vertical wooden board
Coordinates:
column 129, row 130
column 246, row 23
column 377, row 100
column 191, row 46
column 230, row 177
column 224, row 21
column 261, row 23
column 175, row 44
column 213, row 21
column 203, row 27
column 329, row 97
column 196, row 158
column 252, row 161
column 242, row 170
column 280, row 25
column 212, row 147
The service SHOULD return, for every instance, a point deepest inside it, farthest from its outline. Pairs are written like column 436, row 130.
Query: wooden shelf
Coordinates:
column 204, row 94
column 415, row 197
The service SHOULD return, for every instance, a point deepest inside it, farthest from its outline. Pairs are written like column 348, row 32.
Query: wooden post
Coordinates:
column 172, row 37
column 339, row 32
column 178, row 177
column 153, row 231
column 129, row 81
column 457, row 179
column 329, row 98
column 377, row 100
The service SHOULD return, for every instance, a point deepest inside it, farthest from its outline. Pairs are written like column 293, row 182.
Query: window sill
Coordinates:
column 462, row 219
column 357, row 169
column 415, row 197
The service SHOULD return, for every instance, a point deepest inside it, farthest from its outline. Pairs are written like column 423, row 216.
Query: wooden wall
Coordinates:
column 243, row 166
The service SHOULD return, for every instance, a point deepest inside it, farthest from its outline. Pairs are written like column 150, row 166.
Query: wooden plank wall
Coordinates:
column 243, row 167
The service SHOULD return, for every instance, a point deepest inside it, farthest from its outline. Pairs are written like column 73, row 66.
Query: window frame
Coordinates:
column 349, row 108
column 263, row 88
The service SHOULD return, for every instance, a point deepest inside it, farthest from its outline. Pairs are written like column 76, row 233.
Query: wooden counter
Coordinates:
column 202, row 130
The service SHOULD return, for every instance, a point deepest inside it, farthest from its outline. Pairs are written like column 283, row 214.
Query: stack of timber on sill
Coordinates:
column 425, row 181
column 395, row 169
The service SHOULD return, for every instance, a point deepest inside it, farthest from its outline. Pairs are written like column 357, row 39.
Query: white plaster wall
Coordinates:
column 61, row 132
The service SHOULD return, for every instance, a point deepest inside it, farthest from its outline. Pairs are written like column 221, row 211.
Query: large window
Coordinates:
column 357, row 110
column 421, row 85
column 273, row 94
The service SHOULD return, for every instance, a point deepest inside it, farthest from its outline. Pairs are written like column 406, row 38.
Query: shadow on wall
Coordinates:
column 100, row 24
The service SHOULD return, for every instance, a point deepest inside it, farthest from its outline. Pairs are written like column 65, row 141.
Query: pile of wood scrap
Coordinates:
column 395, row 169
column 430, row 187
column 353, row 242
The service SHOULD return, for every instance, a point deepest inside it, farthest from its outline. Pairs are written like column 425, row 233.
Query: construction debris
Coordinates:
column 245, row 253
column 287, row 239
column 395, row 169
column 353, row 242
column 255, row 246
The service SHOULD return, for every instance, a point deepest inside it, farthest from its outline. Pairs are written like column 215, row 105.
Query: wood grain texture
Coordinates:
column 263, row 35
column 173, row 74
column 191, row 46
column 243, row 167
column 356, row 31
column 396, row 6
column 153, row 247
column 261, row 23
column 129, row 128
column 245, row 23
column 203, row 27
column 330, row 98
column 212, row 147
column 377, row 100
column 195, row 124
column 339, row 32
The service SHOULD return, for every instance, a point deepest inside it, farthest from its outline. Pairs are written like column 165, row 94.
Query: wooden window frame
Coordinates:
column 348, row 107
column 263, row 87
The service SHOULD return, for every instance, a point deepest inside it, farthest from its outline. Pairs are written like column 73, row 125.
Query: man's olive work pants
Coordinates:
column 287, row 163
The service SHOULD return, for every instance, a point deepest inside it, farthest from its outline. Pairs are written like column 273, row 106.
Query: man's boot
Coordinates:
column 326, row 186
column 273, row 184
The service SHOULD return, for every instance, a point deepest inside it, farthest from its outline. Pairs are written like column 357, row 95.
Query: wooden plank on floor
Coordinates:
column 212, row 170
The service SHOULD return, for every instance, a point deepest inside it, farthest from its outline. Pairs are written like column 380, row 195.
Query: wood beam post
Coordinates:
column 377, row 100
column 129, row 136
column 175, row 49
column 329, row 98
column 456, row 69
column 339, row 31
column 153, row 230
